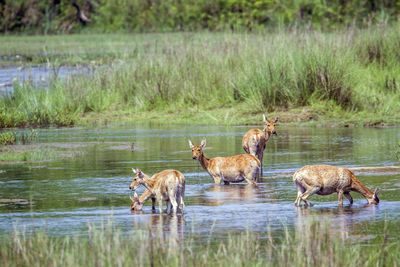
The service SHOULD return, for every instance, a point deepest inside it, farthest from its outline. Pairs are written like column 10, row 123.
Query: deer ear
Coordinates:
column 138, row 171
column 191, row 144
column 134, row 171
column 203, row 143
column 132, row 198
column 276, row 119
column 265, row 118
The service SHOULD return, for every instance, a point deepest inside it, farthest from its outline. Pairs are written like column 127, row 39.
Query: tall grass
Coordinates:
column 355, row 70
column 314, row 244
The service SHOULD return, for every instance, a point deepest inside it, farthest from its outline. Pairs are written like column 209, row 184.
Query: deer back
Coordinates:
column 166, row 181
column 233, row 166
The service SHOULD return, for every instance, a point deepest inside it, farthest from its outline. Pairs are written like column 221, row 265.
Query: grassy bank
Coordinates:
column 315, row 244
column 346, row 77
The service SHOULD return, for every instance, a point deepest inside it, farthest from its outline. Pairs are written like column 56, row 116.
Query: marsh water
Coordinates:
column 63, row 196
column 39, row 75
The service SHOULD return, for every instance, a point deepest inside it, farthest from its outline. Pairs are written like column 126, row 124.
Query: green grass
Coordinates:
column 37, row 152
column 7, row 138
column 315, row 243
column 348, row 77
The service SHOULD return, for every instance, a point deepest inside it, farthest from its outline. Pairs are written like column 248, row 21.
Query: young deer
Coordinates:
column 137, row 203
column 255, row 140
column 168, row 185
column 325, row 180
column 228, row 169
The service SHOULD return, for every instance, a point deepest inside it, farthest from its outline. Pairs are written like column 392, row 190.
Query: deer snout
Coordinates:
column 274, row 132
column 194, row 157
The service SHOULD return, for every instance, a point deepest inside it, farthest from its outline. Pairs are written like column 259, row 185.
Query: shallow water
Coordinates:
column 63, row 196
column 37, row 75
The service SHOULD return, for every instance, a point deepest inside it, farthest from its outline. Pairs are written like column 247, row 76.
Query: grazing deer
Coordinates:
column 137, row 203
column 228, row 169
column 326, row 179
column 168, row 185
column 255, row 140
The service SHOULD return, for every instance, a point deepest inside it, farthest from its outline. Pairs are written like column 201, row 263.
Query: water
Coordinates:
column 38, row 75
column 63, row 196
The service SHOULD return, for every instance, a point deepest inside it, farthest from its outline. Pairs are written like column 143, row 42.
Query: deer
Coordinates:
column 255, row 140
column 138, row 202
column 327, row 179
column 227, row 169
column 168, row 185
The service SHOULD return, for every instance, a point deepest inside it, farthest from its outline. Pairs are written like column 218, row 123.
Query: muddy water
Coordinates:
column 62, row 196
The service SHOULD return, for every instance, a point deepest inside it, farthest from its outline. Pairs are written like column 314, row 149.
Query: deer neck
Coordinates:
column 204, row 162
column 149, row 182
column 358, row 187
column 144, row 196
column 267, row 134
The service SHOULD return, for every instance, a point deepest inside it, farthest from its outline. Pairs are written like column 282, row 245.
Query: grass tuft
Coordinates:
column 355, row 70
column 313, row 243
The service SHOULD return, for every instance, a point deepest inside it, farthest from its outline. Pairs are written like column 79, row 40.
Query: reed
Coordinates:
column 347, row 72
column 315, row 244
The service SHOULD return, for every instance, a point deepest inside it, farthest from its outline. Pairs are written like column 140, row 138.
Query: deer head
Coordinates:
column 374, row 198
column 197, row 151
column 270, row 125
column 135, row 205
column 137, row 180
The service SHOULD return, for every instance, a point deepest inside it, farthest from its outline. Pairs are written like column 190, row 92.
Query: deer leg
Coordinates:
column 250, row 181
column 153, row 203
column 160, row 205
column 300, row 191
column 298, row 199
column 348, row 196
column 174, row 204
column 217, row 180
column 172, row 200
column 260, row 157
column 168, row 206
column 310, row 191
column 340, row 197
column 183, row 204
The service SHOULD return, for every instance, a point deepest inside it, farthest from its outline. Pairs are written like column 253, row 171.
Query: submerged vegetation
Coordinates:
column 349, row 76
column 314, row 244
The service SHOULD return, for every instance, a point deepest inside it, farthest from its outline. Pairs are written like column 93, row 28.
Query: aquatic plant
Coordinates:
column 7, row 138
column 345, row 74
column 315, row 243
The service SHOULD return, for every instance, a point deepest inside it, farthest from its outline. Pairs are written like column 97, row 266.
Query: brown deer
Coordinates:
column 255, row 140
column 227, row 169
column 138, row 202
column 168, row 185
column 326, row 179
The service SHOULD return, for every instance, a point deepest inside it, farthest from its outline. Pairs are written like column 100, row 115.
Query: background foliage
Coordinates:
column 60, row 16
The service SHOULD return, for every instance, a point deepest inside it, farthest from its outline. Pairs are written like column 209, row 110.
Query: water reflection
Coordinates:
column 342, row 221
column 220, row 194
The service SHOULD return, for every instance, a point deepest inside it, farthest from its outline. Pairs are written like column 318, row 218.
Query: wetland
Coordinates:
column 64, row 195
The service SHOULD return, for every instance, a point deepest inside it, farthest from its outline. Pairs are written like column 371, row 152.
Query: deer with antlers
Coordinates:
column 326, row 179
column 168, row 185
column 227, row 169
column 255, row 140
